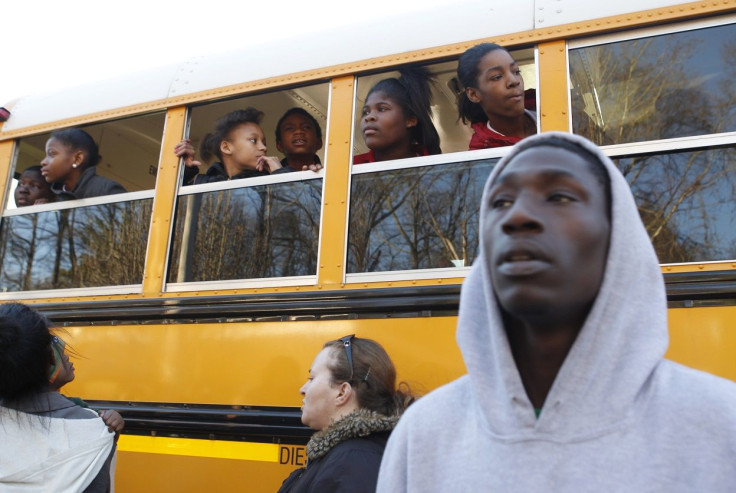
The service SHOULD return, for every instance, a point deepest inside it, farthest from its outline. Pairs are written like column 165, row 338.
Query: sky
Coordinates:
column 50, row 45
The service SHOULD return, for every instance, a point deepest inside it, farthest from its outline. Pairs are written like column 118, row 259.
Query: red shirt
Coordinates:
column 370, row 156
column 485, row 138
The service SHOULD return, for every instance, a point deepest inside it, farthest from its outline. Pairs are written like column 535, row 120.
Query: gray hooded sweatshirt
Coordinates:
column 618, row 417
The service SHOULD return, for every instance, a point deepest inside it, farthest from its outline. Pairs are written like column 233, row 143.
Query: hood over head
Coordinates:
column 620, row 344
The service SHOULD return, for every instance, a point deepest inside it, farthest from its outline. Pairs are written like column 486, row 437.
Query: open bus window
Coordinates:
column 657, row 87
column 264, row 226
column 303, row 102
column 129, row 150
column 445, row 88
column 422, row 213
column 92, row 242
column 686, row 200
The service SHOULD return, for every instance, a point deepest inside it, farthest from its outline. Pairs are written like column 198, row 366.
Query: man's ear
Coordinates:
column 225, row 147
column 344, row 394
column 412, row 122
column 280, row 148
column 472, row 94
column 319, row 145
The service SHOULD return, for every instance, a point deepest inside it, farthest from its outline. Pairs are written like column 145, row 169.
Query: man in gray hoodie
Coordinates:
column 563, row 329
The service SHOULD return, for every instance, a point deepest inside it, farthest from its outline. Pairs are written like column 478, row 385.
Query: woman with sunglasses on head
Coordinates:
column 352, row 400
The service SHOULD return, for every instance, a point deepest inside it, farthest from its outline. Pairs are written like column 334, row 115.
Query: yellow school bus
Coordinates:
column 196, row 310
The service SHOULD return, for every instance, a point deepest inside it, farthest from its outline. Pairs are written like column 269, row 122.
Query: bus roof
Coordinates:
column 199, row 77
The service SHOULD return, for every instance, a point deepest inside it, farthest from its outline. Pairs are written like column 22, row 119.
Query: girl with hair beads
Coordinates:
column 493, row 101
column 396, row 120
column 352, row 400
column 48, row 443
column 69, row 166
column 239, row 145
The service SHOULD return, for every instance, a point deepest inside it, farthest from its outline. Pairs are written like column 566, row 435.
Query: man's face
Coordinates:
column 546, row 235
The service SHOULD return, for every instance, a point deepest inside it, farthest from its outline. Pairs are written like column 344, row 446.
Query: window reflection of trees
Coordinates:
column 667, row 86
column 419, row 218
column 249, row 233
column 686, row 200
column 102, row 245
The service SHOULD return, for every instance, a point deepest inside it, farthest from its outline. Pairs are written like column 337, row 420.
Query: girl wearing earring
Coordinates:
column 69, row 166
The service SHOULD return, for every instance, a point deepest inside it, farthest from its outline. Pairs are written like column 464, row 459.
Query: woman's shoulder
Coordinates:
column 371, row 445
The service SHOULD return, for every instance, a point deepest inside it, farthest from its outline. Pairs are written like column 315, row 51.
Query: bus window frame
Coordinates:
column 634, row 34
column 418, row 162
column 183, row 190
column 683, row 143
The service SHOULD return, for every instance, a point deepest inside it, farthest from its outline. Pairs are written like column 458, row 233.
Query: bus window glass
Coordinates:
column 98, row 245
column 686, row 200
column 416, row 218
column 247, row 233
column 445, row 88
column 235, row 228
column 659, row 87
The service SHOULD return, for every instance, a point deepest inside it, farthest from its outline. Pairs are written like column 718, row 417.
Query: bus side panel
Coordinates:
column 704, row 338
column 251, row 363
column 140, row 472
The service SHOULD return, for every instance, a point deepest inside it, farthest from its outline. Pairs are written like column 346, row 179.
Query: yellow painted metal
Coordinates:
column 553, row 90
column 214, row 449
column 162, row 473
column 704, row 338
column 337, row 179
column 253, row 363
column 6, row 164
column 163, row 202
column 704, row 267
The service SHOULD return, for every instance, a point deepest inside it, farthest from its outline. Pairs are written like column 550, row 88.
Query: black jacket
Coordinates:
column 216, row 172
column 89, row 185
column 344, row 457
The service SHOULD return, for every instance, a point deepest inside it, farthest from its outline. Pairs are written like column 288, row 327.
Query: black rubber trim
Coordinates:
column 692, row 289
column 683, row 289
column 369, row 303
column 213, row 422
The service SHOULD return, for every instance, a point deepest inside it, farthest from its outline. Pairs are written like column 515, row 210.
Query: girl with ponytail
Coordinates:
column 493, row 100
column 351, row 398
column 396, row 120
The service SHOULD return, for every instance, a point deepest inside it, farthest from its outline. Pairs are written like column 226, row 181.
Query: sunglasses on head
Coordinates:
column 347, row 342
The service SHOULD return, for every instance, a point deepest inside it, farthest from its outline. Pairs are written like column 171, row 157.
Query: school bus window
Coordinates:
column 416, row 218
column 62, row 230
column 419, row 217
column 95, row 160
column 253, row 212
column 382, row 97
column 665, row 86
column 686, row 200
column 296, row 143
